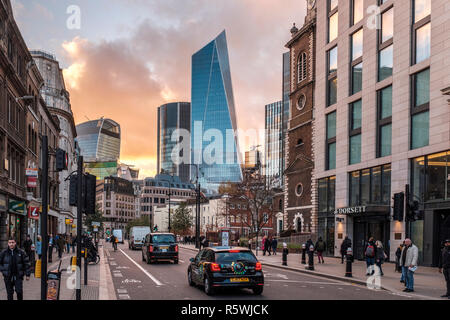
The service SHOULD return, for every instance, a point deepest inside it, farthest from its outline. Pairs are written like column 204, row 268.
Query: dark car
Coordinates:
column 219, row 267
column 160, row 246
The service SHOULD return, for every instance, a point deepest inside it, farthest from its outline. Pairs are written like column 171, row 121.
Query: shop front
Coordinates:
column 364, row 222
column 326, row 219
column 3, row 222
column 17, row 221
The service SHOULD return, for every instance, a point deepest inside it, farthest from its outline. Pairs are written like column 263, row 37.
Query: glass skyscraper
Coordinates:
column 173, row 116
column 213, row 120
column 99, row 140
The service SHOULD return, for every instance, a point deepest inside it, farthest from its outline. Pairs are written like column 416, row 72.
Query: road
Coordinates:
column 134, row 279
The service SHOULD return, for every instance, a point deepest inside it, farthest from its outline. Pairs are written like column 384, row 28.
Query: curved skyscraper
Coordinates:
column 172, row 116
column 213, row 120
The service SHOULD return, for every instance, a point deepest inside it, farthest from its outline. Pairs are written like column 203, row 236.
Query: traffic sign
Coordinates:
column 94, row 223
column 33, row 213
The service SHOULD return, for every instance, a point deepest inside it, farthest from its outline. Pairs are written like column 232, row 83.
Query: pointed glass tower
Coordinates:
column 213, row 117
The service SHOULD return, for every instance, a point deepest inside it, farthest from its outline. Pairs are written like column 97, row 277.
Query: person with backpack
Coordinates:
column 370, row 252
column 320, row 248
column 381, row 256
column 347, row 243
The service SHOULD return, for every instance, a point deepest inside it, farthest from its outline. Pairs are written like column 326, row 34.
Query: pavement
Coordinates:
column 428, row 282
column 32, row 288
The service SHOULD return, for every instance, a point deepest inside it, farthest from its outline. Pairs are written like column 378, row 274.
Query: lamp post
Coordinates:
column 197, row 211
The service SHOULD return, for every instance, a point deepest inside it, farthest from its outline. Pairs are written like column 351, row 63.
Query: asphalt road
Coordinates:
column 136, row 280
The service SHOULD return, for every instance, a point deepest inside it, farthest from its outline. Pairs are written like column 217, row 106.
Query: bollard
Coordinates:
column 38, row 269
column 349, row 261
column 285, row 254
column 85, row 267
column 303, row 254
column 74, row 263
column 311, row 258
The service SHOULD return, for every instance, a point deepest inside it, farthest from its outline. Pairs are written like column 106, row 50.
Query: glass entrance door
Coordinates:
column 363, row 230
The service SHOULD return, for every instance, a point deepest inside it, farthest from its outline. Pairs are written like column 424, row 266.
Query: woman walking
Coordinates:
column 39, row 247
column 380, row 256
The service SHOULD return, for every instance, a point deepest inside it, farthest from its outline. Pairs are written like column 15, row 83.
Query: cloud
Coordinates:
column 127, row 78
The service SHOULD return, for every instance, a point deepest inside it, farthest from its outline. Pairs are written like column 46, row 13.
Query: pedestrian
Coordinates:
column 444, row 266
column 39, row 247
column 408, row 261
column 347, row 243
column 398, row 254
column 320, row 247
column 68, row 242
column 309, row 244
column 51, row 243
column 274, row 246
column 381, row 256
column 267, row 246
column 370, row 252
column 14, row 264
column 113, row 240
column 27, row 247
column 61, row 244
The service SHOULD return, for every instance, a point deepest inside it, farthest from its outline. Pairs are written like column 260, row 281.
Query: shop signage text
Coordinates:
column 33, row 213
column 350, row 210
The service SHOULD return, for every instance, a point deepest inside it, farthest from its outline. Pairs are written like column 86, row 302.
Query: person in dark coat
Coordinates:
column 274, row 246
column 14, row 265
column 347, row 243
column 370, row 253
column 398, row 254
column 267, row 246
column 320, row 247
column 444, row 266
column 27, row 246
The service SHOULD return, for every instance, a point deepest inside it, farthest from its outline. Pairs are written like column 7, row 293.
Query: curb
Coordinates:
column 106, row 282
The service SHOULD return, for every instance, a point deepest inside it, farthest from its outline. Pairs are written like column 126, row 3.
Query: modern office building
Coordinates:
column 252, row 159
column 173, row 116
column 376, row 133
column 99, row 140
column 274, row 142
column 213, row 117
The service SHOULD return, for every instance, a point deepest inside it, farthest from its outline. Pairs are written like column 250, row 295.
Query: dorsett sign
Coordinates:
column 350, row 210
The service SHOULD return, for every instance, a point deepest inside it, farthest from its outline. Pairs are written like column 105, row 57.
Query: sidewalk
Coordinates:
column 428, row 282
column 32, row 288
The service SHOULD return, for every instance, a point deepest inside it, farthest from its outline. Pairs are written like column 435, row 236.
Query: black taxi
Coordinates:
column 160, row 246
column 218, row 267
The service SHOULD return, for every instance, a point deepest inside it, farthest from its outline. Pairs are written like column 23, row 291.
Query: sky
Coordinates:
column 127, row 57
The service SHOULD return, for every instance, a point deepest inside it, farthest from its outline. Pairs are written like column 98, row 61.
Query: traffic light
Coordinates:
column 73, row 195
column 61, row 160
column 91, row 185
column 155, row 228
column 414, row 212
column 398, row 206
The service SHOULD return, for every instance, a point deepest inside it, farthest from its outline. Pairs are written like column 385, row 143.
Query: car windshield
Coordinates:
column 163, row 238
column 229, row 257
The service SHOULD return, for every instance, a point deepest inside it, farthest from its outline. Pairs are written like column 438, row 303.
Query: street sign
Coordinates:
column 31, row 182
column 96, row 224
column 33, row 213
column 69, row 221
column 31, row 172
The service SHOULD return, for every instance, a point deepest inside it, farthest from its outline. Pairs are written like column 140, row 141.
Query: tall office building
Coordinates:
column 273, row 151
column 173, row 116
column 390, row 128
column 213, row 117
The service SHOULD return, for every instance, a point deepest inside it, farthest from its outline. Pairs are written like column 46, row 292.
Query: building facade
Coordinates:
column 382, row 122
column 57, row 100
column 213, row 117
column 274, row 159
column 173, row 116
column 299, row 215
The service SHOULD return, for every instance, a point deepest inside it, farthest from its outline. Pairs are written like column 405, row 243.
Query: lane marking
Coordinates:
column 122, row 291
column 142, row 269
column 124, row 296
column 309, row 282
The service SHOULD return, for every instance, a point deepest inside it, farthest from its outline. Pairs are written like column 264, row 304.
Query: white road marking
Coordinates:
column 142, row 269
column 309, row 282
column 112, row 263
column 118, row 275
column 122, row 291
column 182, row 261
column 124, row 296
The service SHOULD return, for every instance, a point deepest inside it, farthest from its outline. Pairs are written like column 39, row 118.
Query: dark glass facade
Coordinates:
column 370, row 186
column 274, row 159
column 173, row 116
column 213, row 112
column 326, row 219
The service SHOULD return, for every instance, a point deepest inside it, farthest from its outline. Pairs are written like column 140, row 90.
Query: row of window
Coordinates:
column 173, row 192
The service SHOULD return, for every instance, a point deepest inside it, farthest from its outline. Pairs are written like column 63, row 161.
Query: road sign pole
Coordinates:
column 79, row 224
column 44, row 232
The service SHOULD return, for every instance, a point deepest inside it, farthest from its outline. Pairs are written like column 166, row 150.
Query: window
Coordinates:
column 385, row 45
column 355, row 132
column 327, row 187
column 420, row 109
column 332, row 20
column 332, row 77
column 299, row 190
column 357, row 11
column 356, row 61
column 301, row 67
column 370, row 186
column 331, row 141
column 301, row 102
column 384, row 122
column 421, row 30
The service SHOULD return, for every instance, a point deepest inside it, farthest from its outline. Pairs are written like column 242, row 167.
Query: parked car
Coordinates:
column 118, row 234
column 218, row 267
column 137, row 236
column 160, row 246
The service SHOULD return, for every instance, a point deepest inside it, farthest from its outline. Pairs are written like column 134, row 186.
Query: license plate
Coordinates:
column 239, row 280
column 164, row 250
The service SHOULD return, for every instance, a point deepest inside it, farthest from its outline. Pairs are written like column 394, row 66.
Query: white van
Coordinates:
column 137, row 235
column 118, row 234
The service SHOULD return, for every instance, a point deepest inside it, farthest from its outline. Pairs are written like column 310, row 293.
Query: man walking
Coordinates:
column 274, row 246
column 408, row 261
column 444, row 266
column 14, row 264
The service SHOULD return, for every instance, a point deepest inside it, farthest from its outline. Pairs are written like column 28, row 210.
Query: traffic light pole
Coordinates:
column 44, row 214
column 79, row 224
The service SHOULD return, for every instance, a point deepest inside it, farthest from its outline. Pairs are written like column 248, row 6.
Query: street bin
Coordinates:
column 54, row 283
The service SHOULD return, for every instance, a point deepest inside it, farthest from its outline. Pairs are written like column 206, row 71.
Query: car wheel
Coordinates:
column 191, row 283
column 258, row 290
column 208, row 287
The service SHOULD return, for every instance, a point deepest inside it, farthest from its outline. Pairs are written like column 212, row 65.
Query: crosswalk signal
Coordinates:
column 61, row 160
